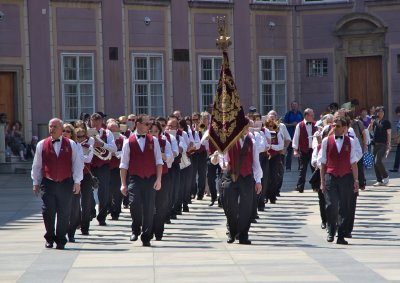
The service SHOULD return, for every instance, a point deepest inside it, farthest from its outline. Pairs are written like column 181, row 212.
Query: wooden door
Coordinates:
column 365, row 81
column 7, row 95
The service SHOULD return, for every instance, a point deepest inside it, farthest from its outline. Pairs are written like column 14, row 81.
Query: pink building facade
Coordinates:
column 61, row 58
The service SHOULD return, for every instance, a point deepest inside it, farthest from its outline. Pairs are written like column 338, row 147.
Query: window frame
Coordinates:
column 272, row 82
column 77, row 81
column 320, row 74
column 313, row 2
column 148, row 82
column 278, row 2
column 201, row 82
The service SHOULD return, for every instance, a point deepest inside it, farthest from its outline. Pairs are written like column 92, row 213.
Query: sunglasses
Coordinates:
column 67, row 131
column 132, row 120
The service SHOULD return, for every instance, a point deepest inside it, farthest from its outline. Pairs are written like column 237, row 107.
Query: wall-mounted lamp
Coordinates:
column 271, row 24
column 2, row 15
column 147, row 21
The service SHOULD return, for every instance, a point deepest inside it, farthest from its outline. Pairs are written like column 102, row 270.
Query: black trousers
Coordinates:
column 175, row 173
column 338, row 196
column 305, row 161
column 212, row 173
column 103, row 174
column 264, row 162
column 161, row 206
column 57, row 197
column 237, row 204
column 361, row 175
column 141, row 203
column 194, row 159
column 75, row 216
column 201, row 173
column 185, row 184
column 116, row 195
column 86, row 202
column 273, row 177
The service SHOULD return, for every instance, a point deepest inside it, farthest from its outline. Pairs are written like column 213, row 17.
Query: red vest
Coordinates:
column 114, row 160
column 162, row 147
column 142, row 164
column 338, row 164
column 202, row 147
column 274, row 141
column 247, row 159
column 97, row 162
column 57, row 168
column 303, row 138
column 211, row 147
column 127, row 134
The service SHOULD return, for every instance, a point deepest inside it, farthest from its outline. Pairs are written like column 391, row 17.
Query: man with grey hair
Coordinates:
column 57, row 171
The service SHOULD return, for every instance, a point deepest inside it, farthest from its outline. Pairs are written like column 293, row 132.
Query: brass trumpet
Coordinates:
column 202, row 127
column 100, row 152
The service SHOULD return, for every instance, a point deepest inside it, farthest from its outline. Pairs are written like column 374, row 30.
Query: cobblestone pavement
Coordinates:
column 288, row 244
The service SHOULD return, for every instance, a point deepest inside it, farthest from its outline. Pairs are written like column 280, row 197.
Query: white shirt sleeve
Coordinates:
column 182, row 143
column 285, row 132
column 125, row 155
column 356, row 151
column 267, row 135
column 257, row 171
column 77, row 163
column 174, row 145
column 322, row 153
column 157, row 152
column 314, row 157
column 204, row 140
column 296, row 136
column 110, row 145
column 87, row 158
column 259, row 142
column 196, row 140
column 168, row 152
column 36, row 172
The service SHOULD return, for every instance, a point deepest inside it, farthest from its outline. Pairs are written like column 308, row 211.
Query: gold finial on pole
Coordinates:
column 223, row 41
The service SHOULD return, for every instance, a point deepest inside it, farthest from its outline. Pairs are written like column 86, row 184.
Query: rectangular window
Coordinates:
column 323, row 1
column 270, row 1
column 273, row 84
column 317, row 67
column 209, row 76
column 77, row 85
column 148, row 84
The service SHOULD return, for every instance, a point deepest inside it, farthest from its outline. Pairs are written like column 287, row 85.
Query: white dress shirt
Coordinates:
column 168, row 152
column 87, row 158
column 295, row 141
column 204, row 140
column 77, row 164
column 110, row 144
column 174, row 145
column 284, row 132
column 314, row 158
column 126, row 152
column 322, row 154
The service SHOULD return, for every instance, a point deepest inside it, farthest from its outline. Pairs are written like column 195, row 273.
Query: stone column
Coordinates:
column 2, row 143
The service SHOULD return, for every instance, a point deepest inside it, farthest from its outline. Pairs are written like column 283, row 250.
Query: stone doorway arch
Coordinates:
column 361, row 60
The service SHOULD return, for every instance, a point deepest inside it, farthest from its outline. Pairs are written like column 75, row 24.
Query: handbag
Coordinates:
column 95, row 180
column 368, row 160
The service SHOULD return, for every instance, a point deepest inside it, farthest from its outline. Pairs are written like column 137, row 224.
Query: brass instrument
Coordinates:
column 100, row 152
column 202, row 127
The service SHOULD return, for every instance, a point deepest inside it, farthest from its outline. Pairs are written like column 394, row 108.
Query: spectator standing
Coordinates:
column 291, row 119
column 397, row 158
column 381, row 131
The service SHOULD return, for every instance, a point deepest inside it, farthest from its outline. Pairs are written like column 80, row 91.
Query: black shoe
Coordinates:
column 261, row 208
column 245, row 242
column 253, row 221
column 102, row 223
column 185, row 208
column 126, row 206
column 146, row 244
column 199, row 198
column 329, row 238
column 133, row 238
column 349, row 235
column 257, row 216
column 341, row 241
column 71, row 239
column 114, row 217
column 158, row 238
column 230, row 240
column 60, row 247
column 85, row 233
column 173, row 216
column 179, row 212
column 211, row 203
column 394, row 170
column 300, row 190
column 272, row 201
column 278, row 194
column 167, row 221
column 323, row 225
column 48, row 245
